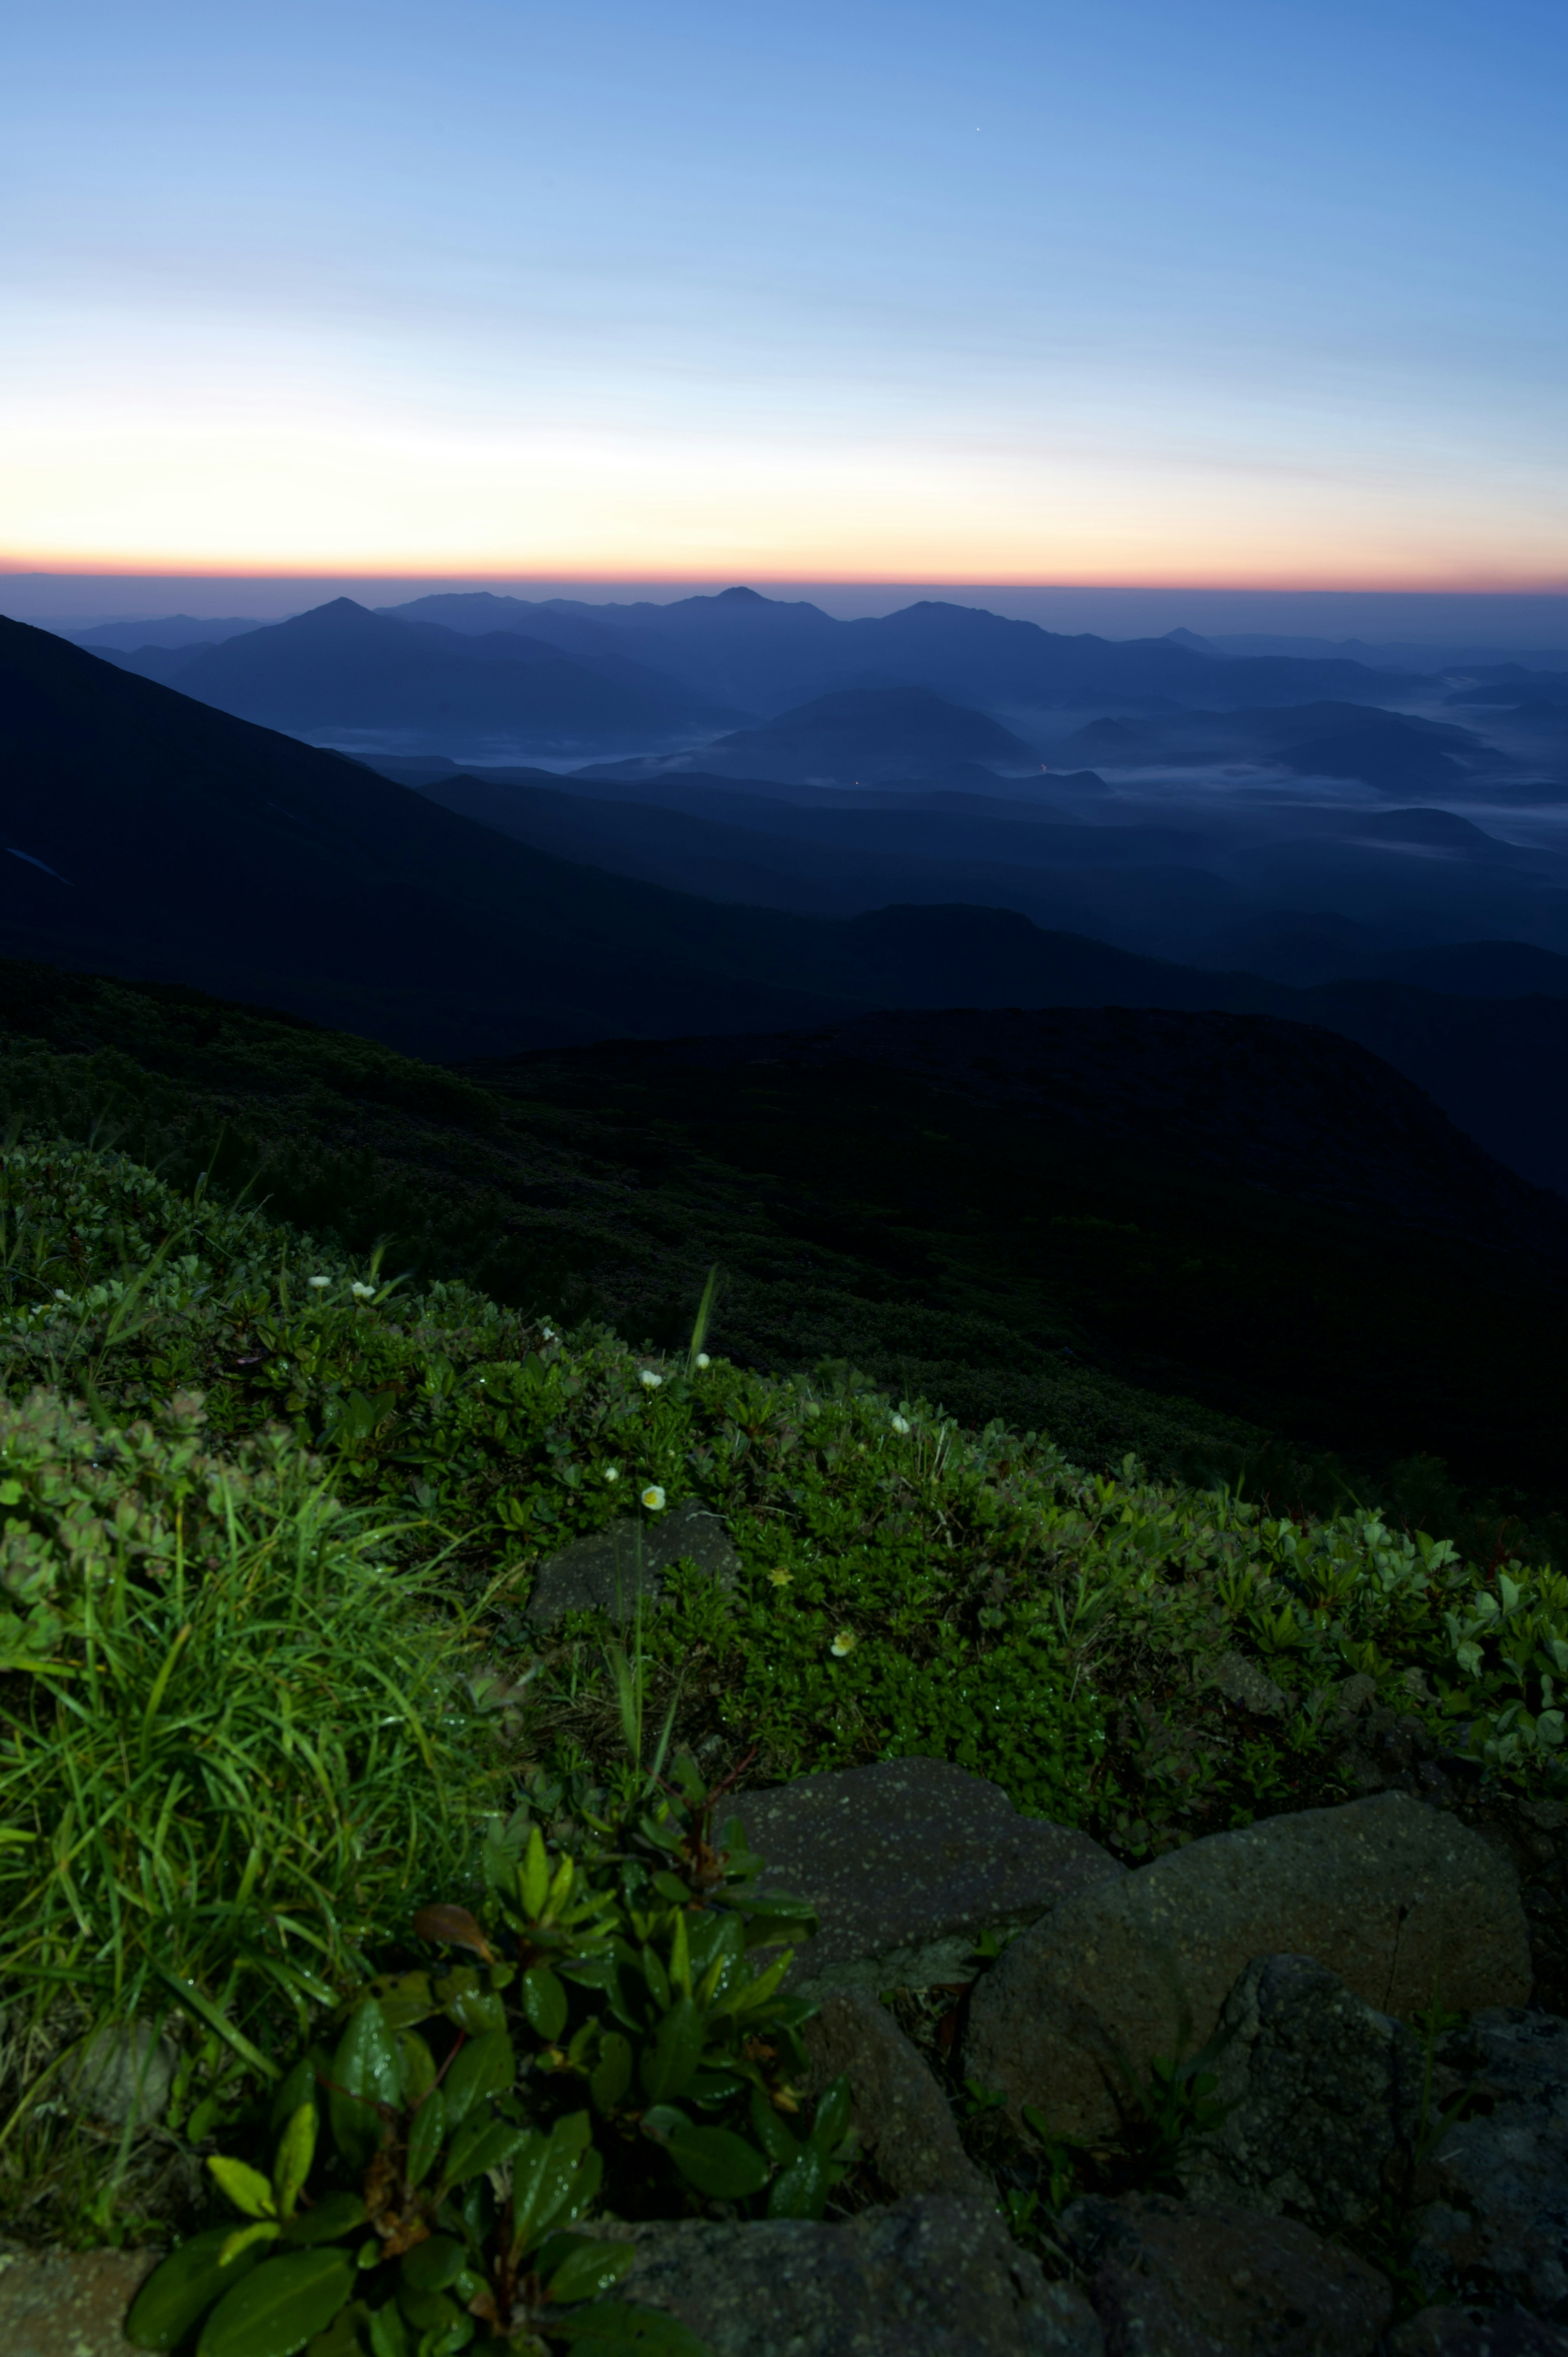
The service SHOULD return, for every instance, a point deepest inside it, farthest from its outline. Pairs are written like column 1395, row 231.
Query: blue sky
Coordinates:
column 1111, row 292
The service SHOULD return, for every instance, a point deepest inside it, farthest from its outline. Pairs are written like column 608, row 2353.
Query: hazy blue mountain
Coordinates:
column 341, row 670
column 773, row 654
column 863, row 736
column 1392, row 751
column 147, row 835
column 172, row 630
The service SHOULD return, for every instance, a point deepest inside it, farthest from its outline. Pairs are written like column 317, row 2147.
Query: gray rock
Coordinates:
column 608, row 1570
column 1498, row 2228
column 1401, row 1900
column 933, row 2277
column 69, row 2303
column 1321, row 2091
column 906, row 1863
column 1244, row 1683
column 1182, row 2279
column 1451, row 2332
column 124, row 2072
column 901, row 2112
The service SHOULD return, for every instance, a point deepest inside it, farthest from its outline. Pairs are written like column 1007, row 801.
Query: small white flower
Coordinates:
column 320, row 1283
column 612, row 1472
column 844, row 1642
column 362, row 1292
column 703, row 1359
column 648, row 1380
column 60, row 1294
column 549, row 1333
column 900, row 1424
column 653, row 1498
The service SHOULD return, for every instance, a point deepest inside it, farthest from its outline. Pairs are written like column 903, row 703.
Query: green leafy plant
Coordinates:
column 440, row 2220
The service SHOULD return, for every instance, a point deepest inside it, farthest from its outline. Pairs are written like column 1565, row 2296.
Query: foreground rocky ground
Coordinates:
column 1380, row 2168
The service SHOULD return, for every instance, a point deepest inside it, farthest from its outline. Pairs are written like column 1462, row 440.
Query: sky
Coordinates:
column 1233, row 294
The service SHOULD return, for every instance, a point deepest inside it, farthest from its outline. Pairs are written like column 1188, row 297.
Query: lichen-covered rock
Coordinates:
column 608, row 1570
column 1454, row 2332
column 933, row 2277
column 899, row 2112
column 1196, row 2279
column 1498, row 2228
column 1396, row 1898
column 906, row 1863
column 1321, row 2091
column 69, row 2303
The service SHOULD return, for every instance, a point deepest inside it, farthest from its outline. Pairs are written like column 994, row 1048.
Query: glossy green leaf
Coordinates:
column 533, row 1877
column 388, row 2334
column 294, row 2154
column 654, row 1974
column 435, row 2264
column 366, row 2072
column 590, row 2269
column 484, row 2144
column 268, row 2229
column 299, row 2087
column 545, row 2003
column 802, row 2189
column 341, row 2337
column 183, row 2289
column 334, row 2214
column 718, row 2163
column 429, row 2311
column 670, row 2064
column 344, row 2336
column 832, row 2121
column 612, row 2073
column 426, row 2134
column 418, row 2066
column 486, row 2066
column 247, row 2188
column 714, row 2087
column 771, row 2133
column 279, row 2307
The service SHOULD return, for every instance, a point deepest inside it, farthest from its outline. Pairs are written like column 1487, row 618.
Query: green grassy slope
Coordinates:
column 1124, row 1301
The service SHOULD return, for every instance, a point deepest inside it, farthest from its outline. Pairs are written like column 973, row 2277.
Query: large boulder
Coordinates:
column 1190, row 2279
column 1402, row 1902
column 899, row 2112
column 934, row 2278
column 906, row 1864
column 69, row 2303
column 1322, row 2093
column 1453, row 2332
column 608, row 1570
column 1498, row 2229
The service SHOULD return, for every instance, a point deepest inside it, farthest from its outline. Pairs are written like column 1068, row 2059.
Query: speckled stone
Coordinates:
column 608, row 1570
column 1396, row 1898
column 906, row 1863
column 933, row 2277
column 69, row 2303
column 899, row 2112
column 1191, row 2279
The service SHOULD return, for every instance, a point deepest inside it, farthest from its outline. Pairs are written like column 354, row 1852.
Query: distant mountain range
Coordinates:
column 770, row 655
column 148, row 835
column 341, row 671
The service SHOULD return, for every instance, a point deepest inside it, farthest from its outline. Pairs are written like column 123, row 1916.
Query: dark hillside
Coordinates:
column 1041, row 1218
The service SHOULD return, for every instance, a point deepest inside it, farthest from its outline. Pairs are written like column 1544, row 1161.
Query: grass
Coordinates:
column 1125, row 1303
column 271, row 1521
